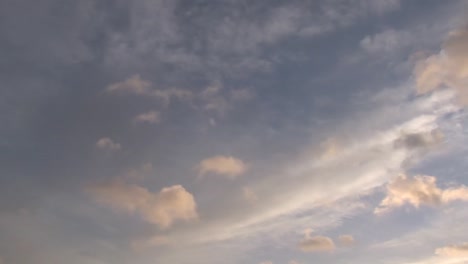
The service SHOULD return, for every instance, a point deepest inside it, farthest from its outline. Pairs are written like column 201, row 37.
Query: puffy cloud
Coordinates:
column 227, row 166
column 163, row 208
column 346, row 240
column 449, row 68
column 417, row 191
column 108, row 144
column 293, row 262
column 134, row 85
column 266, row 262
column 151, row 117
column 316, row 243
column 453, row 251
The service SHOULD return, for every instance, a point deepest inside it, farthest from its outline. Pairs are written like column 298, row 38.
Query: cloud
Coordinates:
column 453, row 251
column 316, row 243
column 151, row 117
column 227, row 166
column 385, row 42
column 137, row 86
column 133, row 85
column 249, row 195
column 163, row 208
column 266, row 262
column 155, row 241
column 108, row 144
column 418, row 140
column 417, row 191
column 346, row 240
column 448, row 69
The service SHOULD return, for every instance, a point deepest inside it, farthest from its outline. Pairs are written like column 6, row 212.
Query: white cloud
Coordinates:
column 227, row 166
column 417, row 191
column 453, row 251
column 108, row 144
column 163, row 208
column 266, row 262
column 151, row 117
column 346, row 240
column 448, row 69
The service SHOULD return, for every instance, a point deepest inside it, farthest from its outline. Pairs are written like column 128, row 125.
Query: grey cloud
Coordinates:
column 420, row 140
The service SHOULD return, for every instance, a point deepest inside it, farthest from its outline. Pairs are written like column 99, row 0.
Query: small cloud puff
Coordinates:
column 151, row 117
column 107, row 144
column 316, row 243
column 453, row 251
column 346, row 240
column 227, row 166
column 162, row 208
column 417, row 191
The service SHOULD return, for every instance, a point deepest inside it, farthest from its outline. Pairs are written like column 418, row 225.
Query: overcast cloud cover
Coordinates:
column 233, row 131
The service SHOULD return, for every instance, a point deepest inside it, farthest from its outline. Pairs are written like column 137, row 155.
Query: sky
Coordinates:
column 233, row 131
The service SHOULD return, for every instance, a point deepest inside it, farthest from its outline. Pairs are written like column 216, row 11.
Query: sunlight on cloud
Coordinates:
column 316, row 243
column 163, row 208
column 417, row 191
column 453, row 251
column 226, row 166
column 346, row 240
column 448, row 69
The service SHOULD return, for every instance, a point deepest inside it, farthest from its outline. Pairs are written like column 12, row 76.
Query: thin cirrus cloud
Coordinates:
column 418, row 190
column 225, row 166
column 161, row 208
column 108, row 144
column 453, row 251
